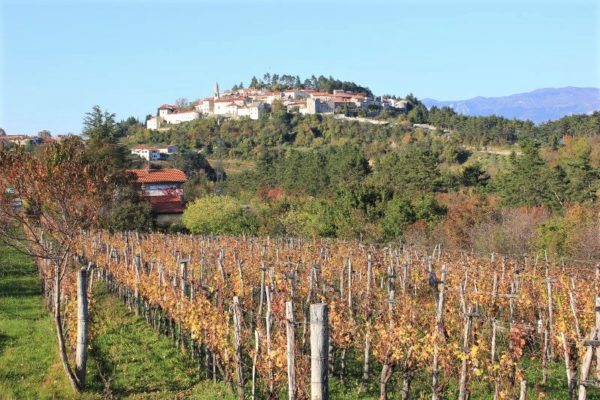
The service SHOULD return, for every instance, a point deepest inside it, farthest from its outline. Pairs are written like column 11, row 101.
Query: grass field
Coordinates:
column 232, row 165
column 137, row 362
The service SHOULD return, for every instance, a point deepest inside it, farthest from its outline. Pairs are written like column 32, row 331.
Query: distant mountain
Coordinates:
column 538, row 106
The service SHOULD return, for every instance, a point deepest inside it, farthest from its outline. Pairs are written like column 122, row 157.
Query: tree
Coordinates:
column 219, row 215
column 411, row 171
column 198, row 184
column 428, row 209
column 529, row 181
column 399, row 214
column 122, row 128
column 46, row 200
column 192, row 162
column 103, row 147
column 45, row 134
column 129, row 212
column 475, row 175
column 182, row 103
column 99, row 125
column 418, row 115
column 582, row 178
column 348, row 166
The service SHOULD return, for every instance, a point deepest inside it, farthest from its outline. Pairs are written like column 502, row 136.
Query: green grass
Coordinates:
column 138, row 363
column 29, row 363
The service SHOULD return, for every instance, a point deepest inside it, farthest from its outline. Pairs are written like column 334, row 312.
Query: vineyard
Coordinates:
column 278, row 316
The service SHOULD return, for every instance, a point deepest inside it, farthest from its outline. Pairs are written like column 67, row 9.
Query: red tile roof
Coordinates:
column 166, row 204
column 224, row 99
column 158, row 175
column 15, row 137
column 321, row 94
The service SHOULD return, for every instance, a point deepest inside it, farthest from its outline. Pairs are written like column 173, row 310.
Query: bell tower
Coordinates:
column 217, row 94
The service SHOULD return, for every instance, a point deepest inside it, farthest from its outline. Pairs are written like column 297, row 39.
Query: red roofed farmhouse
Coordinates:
column 163, row 188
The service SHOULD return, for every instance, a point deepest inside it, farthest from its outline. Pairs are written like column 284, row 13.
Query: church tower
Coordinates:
column 217, row 94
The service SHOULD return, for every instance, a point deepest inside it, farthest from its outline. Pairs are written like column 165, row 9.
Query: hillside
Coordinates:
column 538, row 106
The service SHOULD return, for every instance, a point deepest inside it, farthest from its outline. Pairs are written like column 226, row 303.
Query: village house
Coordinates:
column 150, row 153
column 147, row 153
column 168, row 114
column 21, row 140
column 163, row 189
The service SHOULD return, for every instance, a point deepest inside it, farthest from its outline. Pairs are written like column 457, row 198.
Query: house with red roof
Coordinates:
column 163, row 189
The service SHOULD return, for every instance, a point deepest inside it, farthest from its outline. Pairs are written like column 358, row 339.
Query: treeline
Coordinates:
column 499, row 130
column 245, row 138
column 276, row 82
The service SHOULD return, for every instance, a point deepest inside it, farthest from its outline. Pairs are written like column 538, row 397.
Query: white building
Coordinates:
column 168, row 150
column 228, row 107
column 154, row 123
column 179, row 117
column 151, row 153
column 205, row 106
column 171, row 115
column 147, row 153
column 315, row 105
column 253, row 111
column 166, row 109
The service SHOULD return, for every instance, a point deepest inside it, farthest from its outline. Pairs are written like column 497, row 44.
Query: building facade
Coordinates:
column 163, row 189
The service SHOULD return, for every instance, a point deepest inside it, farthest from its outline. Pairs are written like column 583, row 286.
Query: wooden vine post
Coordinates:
column 586, row 364
column 597, row 309
column 319, row 347
column 237, row 338
column 183, row 265
column 550, row 332
column 592, row 344
column 136, row 294
column 523, row 391
column 291, row 349
column 367, row 350
column 268, row 322
column 570, row 368
column 254, row 361
column 439, row 316
column 463, row 393
column 439, row 287
column 83, row 319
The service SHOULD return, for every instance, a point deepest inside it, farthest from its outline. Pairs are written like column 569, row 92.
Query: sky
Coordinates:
column 60, row 58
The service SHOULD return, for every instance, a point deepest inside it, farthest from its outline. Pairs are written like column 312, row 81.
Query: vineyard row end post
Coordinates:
column 319, row 350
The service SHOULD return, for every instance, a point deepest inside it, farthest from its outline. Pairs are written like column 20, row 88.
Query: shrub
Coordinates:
column 219, row 215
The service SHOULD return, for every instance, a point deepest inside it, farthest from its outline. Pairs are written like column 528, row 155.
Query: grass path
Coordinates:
column 138, row 363
column 29, row 363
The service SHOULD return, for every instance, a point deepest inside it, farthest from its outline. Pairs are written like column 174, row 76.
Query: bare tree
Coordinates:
column 182, row 103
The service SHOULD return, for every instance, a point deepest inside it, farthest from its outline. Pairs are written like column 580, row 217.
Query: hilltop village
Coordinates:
column 252, row 103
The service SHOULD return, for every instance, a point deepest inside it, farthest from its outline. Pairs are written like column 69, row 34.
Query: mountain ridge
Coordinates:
column 539, row 105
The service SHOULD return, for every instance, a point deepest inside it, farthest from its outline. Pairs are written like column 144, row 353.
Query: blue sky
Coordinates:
column 59, row 58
